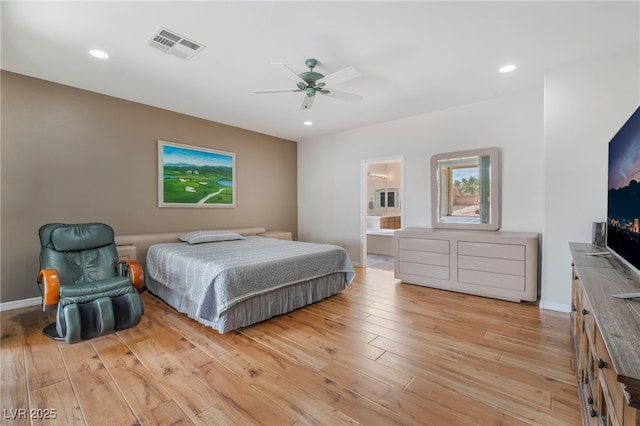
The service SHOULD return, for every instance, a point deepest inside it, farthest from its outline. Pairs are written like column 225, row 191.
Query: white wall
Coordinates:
column 585, row 105
column 553, row 142
column 329, row 168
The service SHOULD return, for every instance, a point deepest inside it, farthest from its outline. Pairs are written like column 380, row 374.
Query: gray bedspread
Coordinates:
column 216, row 276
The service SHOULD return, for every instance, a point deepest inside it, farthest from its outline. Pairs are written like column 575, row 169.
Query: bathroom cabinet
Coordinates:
column 390, row 222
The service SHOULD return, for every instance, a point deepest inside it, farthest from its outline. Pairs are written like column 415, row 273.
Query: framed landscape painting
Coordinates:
column 191, row 176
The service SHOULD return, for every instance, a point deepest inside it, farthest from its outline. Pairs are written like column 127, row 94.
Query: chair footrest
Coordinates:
column 83, row 321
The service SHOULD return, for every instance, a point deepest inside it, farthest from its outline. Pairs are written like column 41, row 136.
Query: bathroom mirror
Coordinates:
column 465, row 190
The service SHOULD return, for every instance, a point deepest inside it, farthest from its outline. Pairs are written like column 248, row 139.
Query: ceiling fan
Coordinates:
column 311, row 82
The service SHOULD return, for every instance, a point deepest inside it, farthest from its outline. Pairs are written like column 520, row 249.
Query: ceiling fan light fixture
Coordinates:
column 507, row 68
column 100, row 54
column 311, row 82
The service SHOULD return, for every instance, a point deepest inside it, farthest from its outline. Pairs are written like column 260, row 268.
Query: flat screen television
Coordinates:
column 623, row 206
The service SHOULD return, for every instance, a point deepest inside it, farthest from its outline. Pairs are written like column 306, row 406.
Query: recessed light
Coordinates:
column 507, row 68
column 308, row 123
column 99, row 54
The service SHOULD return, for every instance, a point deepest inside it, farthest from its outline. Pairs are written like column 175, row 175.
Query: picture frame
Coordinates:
column 194, row 176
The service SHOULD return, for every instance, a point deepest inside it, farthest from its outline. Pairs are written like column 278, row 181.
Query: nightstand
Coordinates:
column 279, row 235
column 126, row 252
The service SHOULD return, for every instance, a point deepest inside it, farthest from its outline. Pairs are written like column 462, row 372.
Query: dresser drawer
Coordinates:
column 425, row 257
column 428, row 271
column 609, row 378
column 484, row 264
column 424, row 244
column 490, row 279
column 495, row 250
column 589, row 322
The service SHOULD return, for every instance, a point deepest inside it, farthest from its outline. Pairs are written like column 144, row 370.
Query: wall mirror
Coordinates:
column 465, row 190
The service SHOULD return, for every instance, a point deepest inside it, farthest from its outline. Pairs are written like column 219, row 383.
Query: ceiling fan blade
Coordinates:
column 259, row 92
column 339, row 94
column 294, row 75
column 341, row 76
column 307, row 102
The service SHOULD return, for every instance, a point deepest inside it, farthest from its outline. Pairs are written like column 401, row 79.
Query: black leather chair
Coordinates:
column 95, row 293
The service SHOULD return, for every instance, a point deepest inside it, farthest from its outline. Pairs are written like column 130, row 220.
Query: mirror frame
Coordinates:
column 494, row 158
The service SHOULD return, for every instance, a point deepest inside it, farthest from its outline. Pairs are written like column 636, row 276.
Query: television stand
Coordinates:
column 606, row 339
column 627, row 295
column 598, row 253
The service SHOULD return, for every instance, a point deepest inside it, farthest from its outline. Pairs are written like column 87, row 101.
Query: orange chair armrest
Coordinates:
column 50, row 288
column 136, row 275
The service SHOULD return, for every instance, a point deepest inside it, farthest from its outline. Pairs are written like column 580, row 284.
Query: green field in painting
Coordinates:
column 189, row 185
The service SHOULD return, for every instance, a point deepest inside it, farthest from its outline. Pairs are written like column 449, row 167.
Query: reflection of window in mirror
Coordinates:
column 465, row 192
column 464, row 185
column 462, row 190
column 391, row 198
column 386, row 197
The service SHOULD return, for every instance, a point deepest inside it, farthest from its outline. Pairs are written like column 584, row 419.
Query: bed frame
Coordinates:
column 143, row 241
column 257, row 308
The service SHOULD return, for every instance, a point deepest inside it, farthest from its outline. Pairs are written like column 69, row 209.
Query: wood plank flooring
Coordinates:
column 379, row 353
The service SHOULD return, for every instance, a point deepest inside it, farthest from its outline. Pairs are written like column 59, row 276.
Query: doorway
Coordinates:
column 382, row 198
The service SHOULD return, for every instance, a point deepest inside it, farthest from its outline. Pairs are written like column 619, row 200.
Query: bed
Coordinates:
column 232, row 282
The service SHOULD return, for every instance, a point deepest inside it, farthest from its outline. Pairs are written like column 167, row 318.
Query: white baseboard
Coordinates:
column 24, row 303
column 35, row 301
column 555, row 306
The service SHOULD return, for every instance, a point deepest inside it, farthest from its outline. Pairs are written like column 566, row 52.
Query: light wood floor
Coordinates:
column 379, row 353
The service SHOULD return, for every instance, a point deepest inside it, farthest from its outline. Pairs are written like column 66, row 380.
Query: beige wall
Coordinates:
column 72, row 156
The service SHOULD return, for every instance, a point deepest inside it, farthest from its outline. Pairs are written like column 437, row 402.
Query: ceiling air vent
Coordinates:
column 174, row 44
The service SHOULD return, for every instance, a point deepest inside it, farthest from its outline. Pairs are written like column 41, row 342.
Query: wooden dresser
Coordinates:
column 502, row 265
column 606, row 334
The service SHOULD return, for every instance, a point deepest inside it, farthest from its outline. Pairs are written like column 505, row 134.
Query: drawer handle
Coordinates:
column 593, row 413
column 573, row 307
column 585, row 312
column 602, row 363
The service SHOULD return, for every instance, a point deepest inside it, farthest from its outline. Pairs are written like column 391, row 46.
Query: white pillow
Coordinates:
column 197, row 237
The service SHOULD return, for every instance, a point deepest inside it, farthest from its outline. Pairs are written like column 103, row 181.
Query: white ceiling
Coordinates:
column 414, row 57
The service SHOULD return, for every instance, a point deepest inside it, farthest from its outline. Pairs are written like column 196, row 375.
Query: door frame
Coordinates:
column 364, row 201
